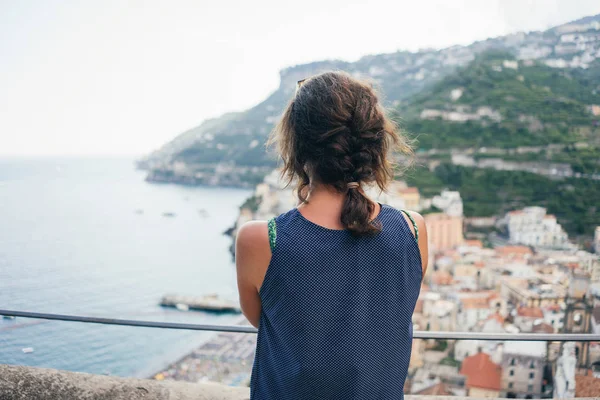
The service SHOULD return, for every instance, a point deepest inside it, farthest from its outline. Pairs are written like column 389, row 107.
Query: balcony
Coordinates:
column 441, row 367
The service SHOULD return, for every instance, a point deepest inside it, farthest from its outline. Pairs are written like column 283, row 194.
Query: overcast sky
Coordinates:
column 123, row 77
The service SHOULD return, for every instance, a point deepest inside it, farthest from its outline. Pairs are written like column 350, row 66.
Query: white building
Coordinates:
column 531, row 226
column 522, row 369
column 555, row 316
column 474, row 307
column 510, row 64
column 449, row 202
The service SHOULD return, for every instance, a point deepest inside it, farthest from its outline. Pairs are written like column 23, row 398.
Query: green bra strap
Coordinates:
column 272, row 227
column 414, row 224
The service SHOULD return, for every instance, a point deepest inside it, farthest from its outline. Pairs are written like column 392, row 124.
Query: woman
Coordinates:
column 331, row 285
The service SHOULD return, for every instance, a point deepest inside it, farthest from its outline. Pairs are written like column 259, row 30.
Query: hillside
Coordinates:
column 541, row 102
column 499, row 101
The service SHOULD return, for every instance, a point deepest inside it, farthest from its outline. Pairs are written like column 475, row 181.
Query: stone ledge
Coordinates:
column 17, row 382
column 25, row 383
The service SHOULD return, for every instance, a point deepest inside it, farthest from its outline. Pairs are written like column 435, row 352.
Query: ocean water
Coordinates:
column 88, row 237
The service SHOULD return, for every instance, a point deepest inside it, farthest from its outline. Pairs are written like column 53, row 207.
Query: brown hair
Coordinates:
column 334, row 131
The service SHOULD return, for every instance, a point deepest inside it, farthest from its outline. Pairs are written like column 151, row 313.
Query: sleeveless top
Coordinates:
column 336, row 311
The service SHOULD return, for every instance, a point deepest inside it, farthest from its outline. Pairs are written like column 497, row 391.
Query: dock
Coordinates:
column 210, row 302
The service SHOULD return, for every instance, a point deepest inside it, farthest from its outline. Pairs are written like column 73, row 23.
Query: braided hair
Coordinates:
column 334, row 131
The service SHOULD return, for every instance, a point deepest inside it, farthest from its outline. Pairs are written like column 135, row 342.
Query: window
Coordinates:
column 531, row 375
column 512, row 372
column 510, row 385
column 530, row 388
column 512, row 361
column 532, row 365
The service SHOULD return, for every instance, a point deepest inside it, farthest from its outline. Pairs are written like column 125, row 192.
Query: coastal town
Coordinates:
column 516, row 273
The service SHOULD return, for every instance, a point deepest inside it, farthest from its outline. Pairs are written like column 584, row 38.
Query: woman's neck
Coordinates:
column 324, row 205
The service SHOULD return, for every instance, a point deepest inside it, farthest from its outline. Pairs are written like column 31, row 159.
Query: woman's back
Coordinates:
column 336, row 311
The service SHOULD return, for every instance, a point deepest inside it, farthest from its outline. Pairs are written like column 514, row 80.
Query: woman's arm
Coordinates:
column 252, row 257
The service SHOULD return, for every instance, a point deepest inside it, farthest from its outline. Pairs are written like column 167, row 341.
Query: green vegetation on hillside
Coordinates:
column 538, row 105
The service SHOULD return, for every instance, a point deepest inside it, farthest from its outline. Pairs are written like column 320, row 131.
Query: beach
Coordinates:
column 225, row 358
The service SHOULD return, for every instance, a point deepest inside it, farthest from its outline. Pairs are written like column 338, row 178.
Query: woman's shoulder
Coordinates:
column 414, row 220
column 257, row 230
column 404, row 212
column 252, row 233
column 283, row 219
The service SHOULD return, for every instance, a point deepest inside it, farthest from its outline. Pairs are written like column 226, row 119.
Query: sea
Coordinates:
column 88, row 236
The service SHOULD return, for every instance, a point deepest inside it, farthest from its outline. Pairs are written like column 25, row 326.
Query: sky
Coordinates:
column 112, row 77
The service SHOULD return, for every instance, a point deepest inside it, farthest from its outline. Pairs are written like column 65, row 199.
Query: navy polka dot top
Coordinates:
column 336, row 311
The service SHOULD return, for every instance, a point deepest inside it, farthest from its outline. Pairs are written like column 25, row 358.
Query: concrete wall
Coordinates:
column 22, row 383
column 25, row 383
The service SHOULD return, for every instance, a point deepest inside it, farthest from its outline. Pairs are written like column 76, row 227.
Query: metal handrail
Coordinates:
column 532, row 337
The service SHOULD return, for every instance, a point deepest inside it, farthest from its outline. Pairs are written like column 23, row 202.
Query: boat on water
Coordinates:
column 168, row 214
column 8, row 317
column 210, row 302
column 27, row 350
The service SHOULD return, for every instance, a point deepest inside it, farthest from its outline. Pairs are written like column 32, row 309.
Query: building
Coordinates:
column 483, row 376
column 449, row 202
column 411, row 198
column 481, row 222
column 390, row 196
column 531, row 226
column 574, row 262
column 444, row 231
column 465, row 348
column 554, row 315
column 467, row 274
column 514, row 253
column 532, row 292
column 436, row 379
column 525, row 317
column 474, row 307
column 440, row 315
column 523, row 365
column 589, row 263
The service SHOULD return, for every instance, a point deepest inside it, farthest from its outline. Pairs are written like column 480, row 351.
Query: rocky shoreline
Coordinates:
column 166, row 176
